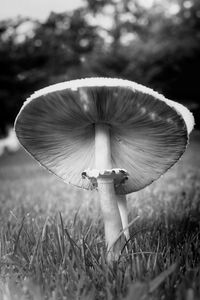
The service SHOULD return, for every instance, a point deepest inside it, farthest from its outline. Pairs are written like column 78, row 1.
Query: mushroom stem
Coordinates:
column 111, row 217
column 122, row 205
column 108, row 197
column 102, row 147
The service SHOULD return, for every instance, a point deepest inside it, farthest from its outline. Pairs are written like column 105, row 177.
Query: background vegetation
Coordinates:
column 157, row 46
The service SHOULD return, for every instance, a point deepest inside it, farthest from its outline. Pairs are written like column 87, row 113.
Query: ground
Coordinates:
column 52, row 243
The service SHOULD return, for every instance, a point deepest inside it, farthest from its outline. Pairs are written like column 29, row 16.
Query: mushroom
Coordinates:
column 108, row 134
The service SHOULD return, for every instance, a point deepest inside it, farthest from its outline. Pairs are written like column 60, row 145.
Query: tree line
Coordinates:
column 111, row 38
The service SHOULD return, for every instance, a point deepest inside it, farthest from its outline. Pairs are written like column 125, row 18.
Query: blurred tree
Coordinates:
column 51, row 52
column 157, row 46
column 154, row 46
column 13, row 59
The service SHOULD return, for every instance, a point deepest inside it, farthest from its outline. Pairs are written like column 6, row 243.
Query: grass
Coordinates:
column 52, row 240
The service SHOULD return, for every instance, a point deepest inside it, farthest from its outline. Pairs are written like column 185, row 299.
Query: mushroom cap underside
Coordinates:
column 148, row 133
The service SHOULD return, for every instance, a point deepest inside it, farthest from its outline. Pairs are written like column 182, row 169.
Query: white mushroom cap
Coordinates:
column 148, row 132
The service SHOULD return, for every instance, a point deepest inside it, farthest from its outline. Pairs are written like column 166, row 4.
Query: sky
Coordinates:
column 39, row 9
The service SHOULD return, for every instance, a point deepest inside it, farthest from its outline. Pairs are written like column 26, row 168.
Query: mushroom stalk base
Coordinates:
column 111, row 217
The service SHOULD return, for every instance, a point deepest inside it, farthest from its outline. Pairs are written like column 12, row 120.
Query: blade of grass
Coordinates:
column 72, row 243
column 63, row 232
column 18, row 235
column 35, row 250
column 160, row 278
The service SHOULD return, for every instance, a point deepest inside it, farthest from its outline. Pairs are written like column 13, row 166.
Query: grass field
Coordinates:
column 51, row 236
